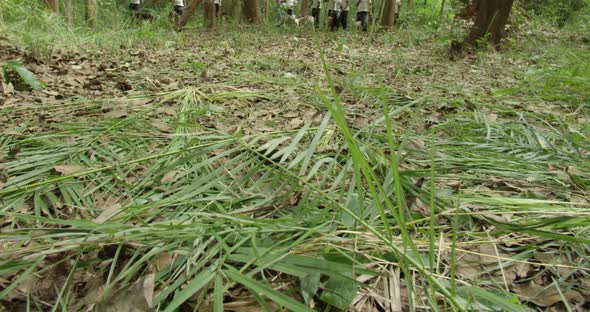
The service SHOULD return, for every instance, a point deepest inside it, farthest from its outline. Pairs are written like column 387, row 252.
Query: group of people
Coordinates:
column 337, row 12
column 134, row 6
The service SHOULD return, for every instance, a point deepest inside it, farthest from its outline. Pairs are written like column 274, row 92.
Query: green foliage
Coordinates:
column 24, row 74
column 555, row 11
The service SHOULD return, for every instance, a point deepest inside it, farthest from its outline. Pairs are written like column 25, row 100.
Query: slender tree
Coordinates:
column 250, row 11
column 304, row 8
column 69, row 14
column 388, row 16
column 410, row 3
column 91, row 9
column 187, row 13
column 209, row 13
column 53, row 5
column 490, row 20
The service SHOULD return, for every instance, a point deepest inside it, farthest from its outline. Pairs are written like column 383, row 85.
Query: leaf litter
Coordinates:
column 477, row 163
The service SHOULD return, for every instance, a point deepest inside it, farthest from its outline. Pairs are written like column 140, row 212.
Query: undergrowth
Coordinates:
column 408, row 181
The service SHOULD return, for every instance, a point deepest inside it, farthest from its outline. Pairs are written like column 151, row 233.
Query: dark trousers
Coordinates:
column 344, row 19
column 315, row 13
column 134, row 7
column 334, row 20
column 178, row 10
column 363, row 18
column 217, row 8
column 290, row 12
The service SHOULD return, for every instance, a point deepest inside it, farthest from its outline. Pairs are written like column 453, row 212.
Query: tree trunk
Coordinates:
column 91, row 12
column 410, row 4
column 187, row 13
column 209, row 13
column 442, row 7
column 69, row 14
column 388, row 17
column 491, row 19
column 53, row 5
column 250, row 11
column 304, row 8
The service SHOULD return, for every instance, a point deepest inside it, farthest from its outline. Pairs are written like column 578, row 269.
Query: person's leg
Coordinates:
column 290, row 12
column 315, row 13
column 134, row 7
column 344, row 19
column 177, row 14
column 335, row 21
column 364, row 17
column 217, row 10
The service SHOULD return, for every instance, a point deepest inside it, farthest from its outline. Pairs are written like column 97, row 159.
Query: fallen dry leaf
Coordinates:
column 170, row 176
column 69, row 169
column 107, row 213
column 546, row 296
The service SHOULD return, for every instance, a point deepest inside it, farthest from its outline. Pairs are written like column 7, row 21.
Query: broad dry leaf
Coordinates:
column 69, row 169
column 170, row 176
column 546, row 296
column 160, row 262
column 107, row 213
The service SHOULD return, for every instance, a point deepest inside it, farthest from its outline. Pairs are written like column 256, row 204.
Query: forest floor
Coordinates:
column 231, row 161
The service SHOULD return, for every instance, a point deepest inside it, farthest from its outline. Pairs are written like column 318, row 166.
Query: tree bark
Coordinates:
column 491, row 18
column 53, row 5
column 91, row 12
column 304, row 8
column 442, row 8
column 209, row 13
column 388, row 17
column 187, row 13
column 69, row 14
column 250, row 11
column 410, row 4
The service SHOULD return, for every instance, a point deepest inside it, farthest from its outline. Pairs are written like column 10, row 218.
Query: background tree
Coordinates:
column 250, row 11
column 187, row 13
column 69, row 14
column 490, row 19
column 388, row 17
column 91, row 10
column 209, row 13
column 304, row 8
column 53, row 5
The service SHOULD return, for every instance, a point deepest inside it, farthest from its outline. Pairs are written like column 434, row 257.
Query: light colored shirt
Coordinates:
column 316, row 4
column 290, row 4
column 344, row 5
column 217, row 2
column 179, row 3
column 135, row 1
column 363, row 6
column 334, row 5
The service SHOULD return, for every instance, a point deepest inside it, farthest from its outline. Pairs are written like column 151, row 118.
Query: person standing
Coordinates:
column 217, row 4
column 316, row 6
column 176, row 14
column 363, row 8
column 344, row 8
column 290, row 6
column 134, row 7
column 334, row 14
